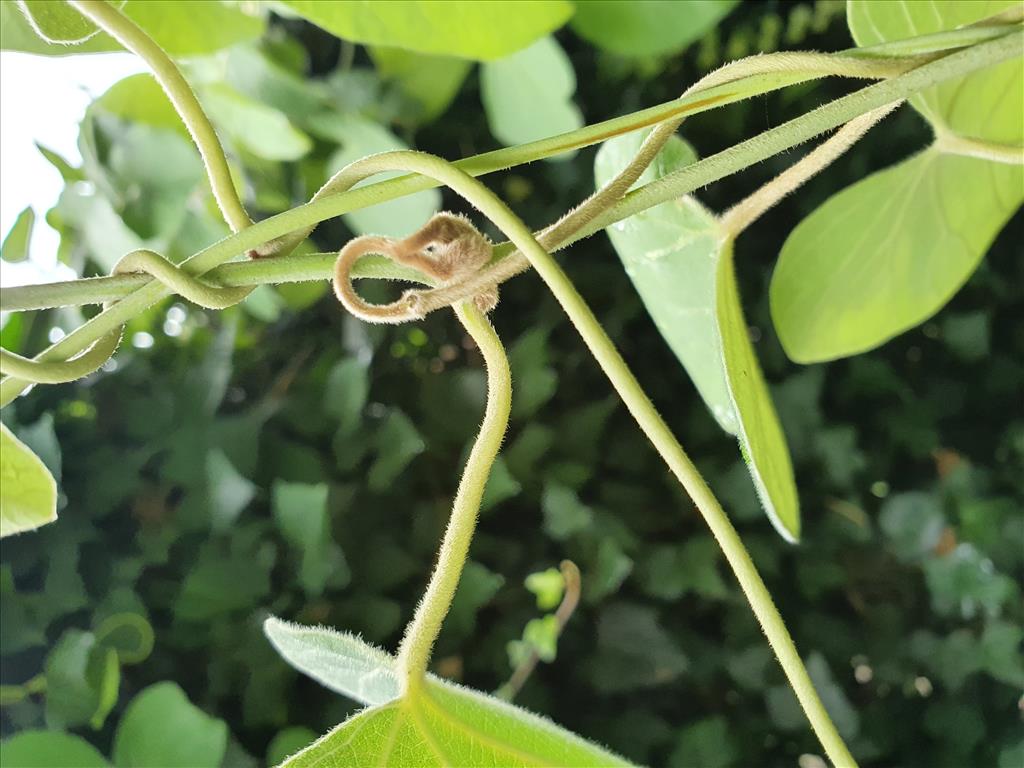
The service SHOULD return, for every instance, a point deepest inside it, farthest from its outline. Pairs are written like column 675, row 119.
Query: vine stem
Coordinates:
column 643, row 412
column 422, row 631
column 134, row 38
column 681, row 182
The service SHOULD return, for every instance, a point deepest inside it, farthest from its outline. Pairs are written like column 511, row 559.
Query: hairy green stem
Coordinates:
column 751, row 208
column 134, row 38
column 422, row 631
column 679, row 183
column 645, row 414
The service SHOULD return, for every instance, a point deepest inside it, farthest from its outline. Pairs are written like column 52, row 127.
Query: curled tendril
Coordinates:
column 446, row 250
column 197, row 291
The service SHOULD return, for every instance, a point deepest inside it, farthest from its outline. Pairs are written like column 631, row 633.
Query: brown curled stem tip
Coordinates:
column 447, row 250
column 400, row 311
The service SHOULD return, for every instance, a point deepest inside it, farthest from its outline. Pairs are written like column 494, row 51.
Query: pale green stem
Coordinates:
column 751, row 208
column 952, row 144
column 645, row 414
column 422, row 631
column 677, row 184
column 134, row 38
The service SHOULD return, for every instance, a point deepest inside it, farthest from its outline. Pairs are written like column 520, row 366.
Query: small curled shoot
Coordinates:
column 446, row 250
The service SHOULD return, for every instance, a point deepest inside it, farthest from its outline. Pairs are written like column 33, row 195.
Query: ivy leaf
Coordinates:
column 50, row 749
column 987, row 105
column 443, row 724
column 16, row 245
column 161, row 728
column 528, row 95
column 140, row 99
column 481, row 31
column 300, row 511
column 28, row 492
column 261, row 130
column 647, row 27
column 854, row 273
column 681, row 264
column 181, row 29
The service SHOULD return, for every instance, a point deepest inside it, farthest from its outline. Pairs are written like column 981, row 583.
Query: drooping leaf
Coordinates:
column 16, row 245
column 855, row 273
column 528, row 94
column 181, row 29
column 987, row 105
column 647, row 27
column 50, row 749
column 482, row 31
column 665, row 253
column 161, row 728
column 441, row 724
column 681, row 263
column 28, row 492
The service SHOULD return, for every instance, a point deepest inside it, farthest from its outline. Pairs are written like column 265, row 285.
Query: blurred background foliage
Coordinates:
column 281, row 457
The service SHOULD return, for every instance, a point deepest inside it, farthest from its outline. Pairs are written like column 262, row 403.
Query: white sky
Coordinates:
column 42, row 98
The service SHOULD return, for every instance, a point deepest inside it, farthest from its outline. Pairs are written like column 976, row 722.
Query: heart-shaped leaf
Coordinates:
column 888, row 252
column 680, row 262
column 528, row 95
column 987, row 105
column 482, row 31
column 28, row 492
column 440, row 724
column 57, row 22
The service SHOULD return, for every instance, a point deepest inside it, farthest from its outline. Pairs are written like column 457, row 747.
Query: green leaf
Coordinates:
column 161, row 728
column 633, row 650
column 913, row 522
column 82, row 681
column 963, row 583
column 345, row 394
column 218, row 585
column 50, row 749
column 16, row 245
column 564, row 513
column 140, row 99
column 682, row 266
column 443, row 724
column 431, row 82
column 665, row 253
column 528, row 95
column 482, row 31
column 181, row 29
column 287, row 742
column 262, row 130
column 360, row 137
column 230, row 492
column 987, row 105
column 337, row 660
column 57, row 22
column 706, row 743
column 855, row 273
column 647, row 27
column 548, row 586
column 300, row 511
column 28, row 492
column 397, row 442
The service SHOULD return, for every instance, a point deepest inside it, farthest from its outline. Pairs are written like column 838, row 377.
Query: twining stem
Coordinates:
column 645, row 414
column 681, row 182
column 134, row 38
column 422, row 631
column 748, row 210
